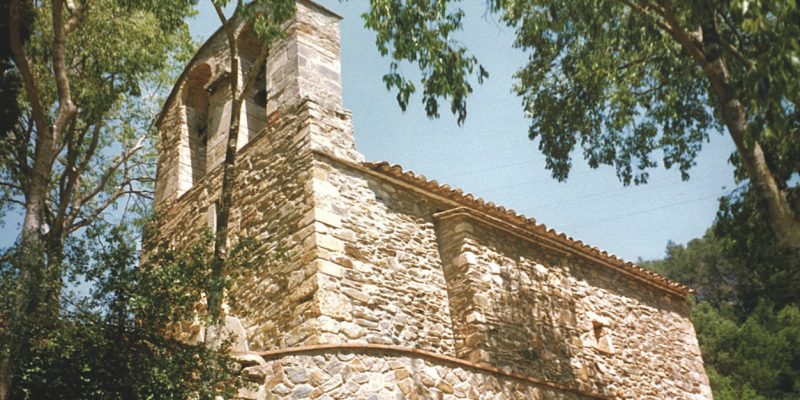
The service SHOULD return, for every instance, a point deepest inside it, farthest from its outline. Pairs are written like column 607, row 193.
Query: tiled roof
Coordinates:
column 528, row 224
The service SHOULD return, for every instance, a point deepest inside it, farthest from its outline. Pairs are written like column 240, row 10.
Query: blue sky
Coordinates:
column 491, row 156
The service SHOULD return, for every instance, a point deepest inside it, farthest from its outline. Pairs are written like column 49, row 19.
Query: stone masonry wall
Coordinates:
column 273, row 200
column 381, row 376
column 375, row 260
column 542, row 312
column 503, row 300
column 381, row 253
column 305, row 68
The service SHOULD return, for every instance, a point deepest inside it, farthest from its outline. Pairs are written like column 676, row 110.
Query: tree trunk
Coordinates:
column 709, row 57
column 6, row 377
column 770, row 198
column 228, row 179
column 237, row 97
column 223, row 216
column 779, row 213
column 30, row 260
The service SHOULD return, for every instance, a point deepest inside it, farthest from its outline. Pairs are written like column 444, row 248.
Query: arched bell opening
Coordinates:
column 254, row 111
column 195, row 100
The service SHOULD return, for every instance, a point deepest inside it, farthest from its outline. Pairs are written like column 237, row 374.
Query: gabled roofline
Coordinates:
column 323, row 8
column 506, row 219
column 187, row 68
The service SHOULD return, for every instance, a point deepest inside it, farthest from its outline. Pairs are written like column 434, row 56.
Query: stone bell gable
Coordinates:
column 301, row 83
column 394, row 286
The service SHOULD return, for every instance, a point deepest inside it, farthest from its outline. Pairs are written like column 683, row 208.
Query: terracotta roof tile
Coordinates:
column 519, row 220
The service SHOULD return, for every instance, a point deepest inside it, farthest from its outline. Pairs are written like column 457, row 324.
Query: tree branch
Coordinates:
column 684, row 40
column 655, row 7
column 79, row 202
column 19, row 149
column 66, row 109
column 254, row 71
column 89, row 219
column 220, row 14
column 739, row 36
column 12, row 200
column 71, row 155
column 648, row 91
column 73, row 176
column 83, row 164
column 21, row 60
column 49, row 216
column 76, row 16
column 748, row 63
column 646, row 12
column 11, row 185
column 234, row 53
column 637, row 62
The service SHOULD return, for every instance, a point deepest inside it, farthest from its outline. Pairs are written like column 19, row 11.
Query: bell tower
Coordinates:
column 296, row 112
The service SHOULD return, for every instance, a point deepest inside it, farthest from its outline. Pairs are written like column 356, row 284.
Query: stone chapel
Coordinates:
column 398, row 287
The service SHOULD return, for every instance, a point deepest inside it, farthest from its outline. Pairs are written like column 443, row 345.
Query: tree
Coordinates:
column 756, row 358
column 115, row 341
column 627, row 78
column 746, row 310
column 82, row 69
column 266, row 18
column 703, row 266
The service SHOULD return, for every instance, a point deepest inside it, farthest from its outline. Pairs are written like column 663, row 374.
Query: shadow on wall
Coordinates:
column 512, row 306
column 536, row 310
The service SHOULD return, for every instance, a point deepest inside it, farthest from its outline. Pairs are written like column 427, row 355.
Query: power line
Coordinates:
column 439, row 160
column 644, row 211
column 625, row 192
column 487, row 169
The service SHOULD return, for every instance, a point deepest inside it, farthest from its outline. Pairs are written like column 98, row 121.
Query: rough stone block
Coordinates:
column 333, row 305
column 324, row 217
column 329, row 268
column 329, row 243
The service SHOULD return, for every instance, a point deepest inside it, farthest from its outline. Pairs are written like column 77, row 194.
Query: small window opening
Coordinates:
column 202, row 133
column 261, row 98
column 599, row 330
column 260, row 89
column 602, row 337
column 257, row 109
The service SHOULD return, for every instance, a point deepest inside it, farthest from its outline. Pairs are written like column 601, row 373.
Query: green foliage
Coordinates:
column 122, row 58
column 703, row 266
column 756, row 359
column 71, row 148
column 115, row 341
column 421, row 32
column 606, row 76
column 753, row 245
column 613, row 82
column 267, row 17
column 746, row 311
column 10, row 90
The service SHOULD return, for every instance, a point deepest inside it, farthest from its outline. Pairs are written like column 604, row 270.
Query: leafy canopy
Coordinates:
column 122, row 58
column 607, row 76
column 422, row 32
